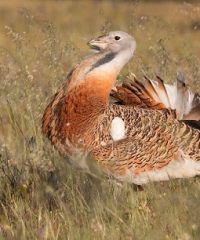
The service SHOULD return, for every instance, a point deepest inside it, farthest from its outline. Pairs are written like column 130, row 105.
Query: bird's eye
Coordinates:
column 117, row 37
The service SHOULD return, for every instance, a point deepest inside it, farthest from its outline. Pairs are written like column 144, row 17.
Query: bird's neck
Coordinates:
column 111, row 62
column 92, row 82
column 99, row 71
column 90, row 98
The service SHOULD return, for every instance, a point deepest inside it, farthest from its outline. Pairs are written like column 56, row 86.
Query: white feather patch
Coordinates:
column 117, row 129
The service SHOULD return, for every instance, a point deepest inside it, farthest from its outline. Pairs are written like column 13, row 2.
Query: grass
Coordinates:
column 41, row 196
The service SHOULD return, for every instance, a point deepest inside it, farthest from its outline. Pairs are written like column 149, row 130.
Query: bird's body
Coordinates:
column 137, row 138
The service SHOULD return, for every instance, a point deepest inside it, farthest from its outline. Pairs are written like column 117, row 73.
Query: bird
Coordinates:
column 136, row 132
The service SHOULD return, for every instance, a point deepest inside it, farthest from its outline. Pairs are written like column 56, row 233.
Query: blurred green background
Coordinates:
column 41, row 196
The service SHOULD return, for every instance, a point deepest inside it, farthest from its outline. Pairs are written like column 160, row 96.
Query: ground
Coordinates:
column 41, row 195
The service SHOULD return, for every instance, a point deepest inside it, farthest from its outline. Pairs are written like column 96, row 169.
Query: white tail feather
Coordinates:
column 177, row 97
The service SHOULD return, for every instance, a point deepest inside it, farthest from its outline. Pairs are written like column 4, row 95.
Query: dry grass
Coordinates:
column 41, row 197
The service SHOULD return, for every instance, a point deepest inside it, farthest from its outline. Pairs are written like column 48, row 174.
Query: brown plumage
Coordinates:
column 148, row 133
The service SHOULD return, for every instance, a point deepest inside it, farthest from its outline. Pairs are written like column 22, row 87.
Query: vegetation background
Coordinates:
column 41, row 196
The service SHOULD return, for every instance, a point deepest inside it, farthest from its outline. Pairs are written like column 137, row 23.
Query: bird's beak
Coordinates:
column 98, row 44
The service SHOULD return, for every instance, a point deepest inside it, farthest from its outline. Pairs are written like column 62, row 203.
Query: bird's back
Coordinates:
column 155, row 142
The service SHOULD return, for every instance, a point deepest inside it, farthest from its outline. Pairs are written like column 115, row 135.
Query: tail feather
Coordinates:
column 187, row 102
column 135, row 93
column 150, row 86
column 155, row 94
column 163, row 92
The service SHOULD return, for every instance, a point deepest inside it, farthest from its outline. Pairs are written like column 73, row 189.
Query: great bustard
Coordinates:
column 148, row 133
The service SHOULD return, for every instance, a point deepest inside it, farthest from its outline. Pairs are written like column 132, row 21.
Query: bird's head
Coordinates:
column 115, row 41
